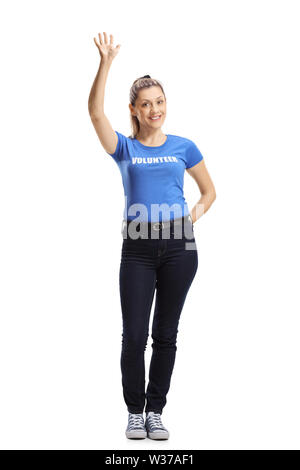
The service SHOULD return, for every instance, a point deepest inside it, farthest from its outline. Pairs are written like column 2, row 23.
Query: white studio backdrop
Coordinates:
column 231, row 76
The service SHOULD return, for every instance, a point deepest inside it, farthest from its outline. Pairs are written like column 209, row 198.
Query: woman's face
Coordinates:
column 150, row 102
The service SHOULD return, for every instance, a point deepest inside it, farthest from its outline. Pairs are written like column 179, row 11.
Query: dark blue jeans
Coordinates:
column 167, row 266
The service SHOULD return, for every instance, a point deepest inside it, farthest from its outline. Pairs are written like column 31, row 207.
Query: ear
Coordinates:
column 131, row 108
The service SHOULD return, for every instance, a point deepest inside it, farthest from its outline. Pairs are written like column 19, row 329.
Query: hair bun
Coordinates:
column 145, row 76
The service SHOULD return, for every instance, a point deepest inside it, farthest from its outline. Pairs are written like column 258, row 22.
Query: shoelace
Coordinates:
column 135, row 421
column 154, row 421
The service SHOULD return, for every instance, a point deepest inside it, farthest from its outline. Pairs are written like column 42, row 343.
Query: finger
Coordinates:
column 105, row 37
column 95, row 41
column 100, row 38
column 111, row 38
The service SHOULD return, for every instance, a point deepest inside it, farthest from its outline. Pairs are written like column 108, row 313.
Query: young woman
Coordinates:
column 159, row 251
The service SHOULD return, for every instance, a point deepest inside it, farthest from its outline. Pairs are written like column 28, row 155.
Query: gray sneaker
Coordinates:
column 136, row 426
column 154, row 426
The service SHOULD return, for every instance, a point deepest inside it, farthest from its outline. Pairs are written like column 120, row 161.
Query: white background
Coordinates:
column 230, row 70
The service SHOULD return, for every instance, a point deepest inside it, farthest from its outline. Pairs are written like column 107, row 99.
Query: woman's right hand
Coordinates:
column 107, row 49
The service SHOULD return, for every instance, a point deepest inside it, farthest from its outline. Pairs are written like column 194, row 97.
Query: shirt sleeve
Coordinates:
column 193, row 155
column 118, row 155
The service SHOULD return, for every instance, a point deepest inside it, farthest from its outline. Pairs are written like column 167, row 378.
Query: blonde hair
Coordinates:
column 143, row 82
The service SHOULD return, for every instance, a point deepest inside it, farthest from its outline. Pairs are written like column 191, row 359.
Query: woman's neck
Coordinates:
column 151, row 140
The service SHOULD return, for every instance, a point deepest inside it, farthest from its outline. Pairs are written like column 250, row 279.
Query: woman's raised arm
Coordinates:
column 105, row 132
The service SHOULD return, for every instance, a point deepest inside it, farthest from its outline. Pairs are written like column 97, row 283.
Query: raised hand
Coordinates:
column 107, row 49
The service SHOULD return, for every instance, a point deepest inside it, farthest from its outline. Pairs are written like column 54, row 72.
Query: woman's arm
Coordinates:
column 208, row 193
column 105, row 132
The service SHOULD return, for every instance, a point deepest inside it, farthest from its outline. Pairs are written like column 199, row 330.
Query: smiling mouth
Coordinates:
column 155, row 118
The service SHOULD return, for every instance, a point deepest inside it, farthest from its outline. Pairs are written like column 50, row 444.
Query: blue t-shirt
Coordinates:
column 153, row 177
